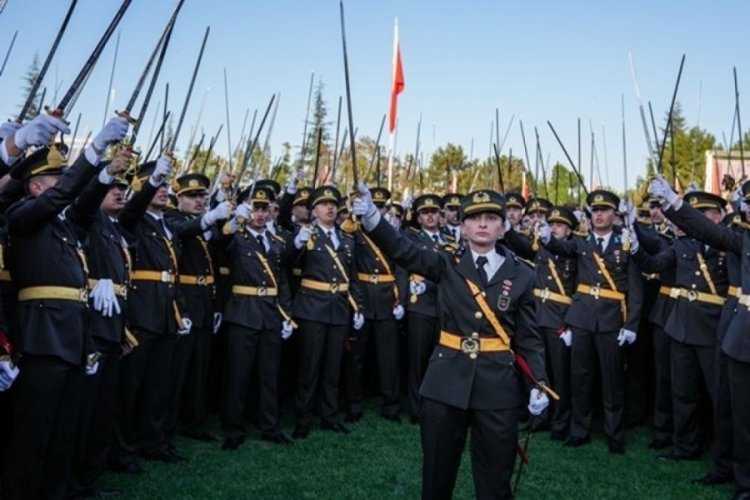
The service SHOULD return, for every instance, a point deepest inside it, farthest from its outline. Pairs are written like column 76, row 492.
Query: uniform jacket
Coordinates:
column 317, row 264
column 247, row 269
column 549, row 314
column 378, row 298
column 490, row 381
column 426, row 303
column 604, row 315
column 690, row 322
column 736, row 343
column 46, row 250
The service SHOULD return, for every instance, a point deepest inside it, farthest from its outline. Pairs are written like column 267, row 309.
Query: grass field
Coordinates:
column 382, row 460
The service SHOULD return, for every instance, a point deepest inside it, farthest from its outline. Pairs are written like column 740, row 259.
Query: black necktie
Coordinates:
column 600, row 244
column 481, row 261
column 435, row 238
column 262, row 243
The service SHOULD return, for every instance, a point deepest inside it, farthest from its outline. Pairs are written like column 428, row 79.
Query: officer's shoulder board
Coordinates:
column 451, row 247
column 524, row 261
column 278, row 238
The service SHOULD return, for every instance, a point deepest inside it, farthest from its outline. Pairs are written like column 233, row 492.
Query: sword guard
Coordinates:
column 125, row 114
column 57, row 113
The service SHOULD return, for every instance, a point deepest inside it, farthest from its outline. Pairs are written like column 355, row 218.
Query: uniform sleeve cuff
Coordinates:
column 91, row 155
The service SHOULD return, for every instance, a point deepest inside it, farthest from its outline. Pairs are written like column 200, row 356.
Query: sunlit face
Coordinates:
column 560, row 230
column 482, row 229
column 602, row 218
column 114, row 202
column 192, row 202
column 451, row 216
column 535, row 217
column 326, row 212
column 713, row 214
column 429, row 219
column 261, row 214
column 657, row 216
column 300, row 213
column 514, row 215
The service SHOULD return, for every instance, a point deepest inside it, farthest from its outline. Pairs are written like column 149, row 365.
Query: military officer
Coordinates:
column 328, row 300
column 451, row 207
column 603, row 317
column 486, row 307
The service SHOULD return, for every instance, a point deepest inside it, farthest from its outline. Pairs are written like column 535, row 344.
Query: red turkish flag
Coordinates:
column 398, row 83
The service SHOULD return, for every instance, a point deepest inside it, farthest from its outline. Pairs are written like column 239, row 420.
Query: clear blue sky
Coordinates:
column 542, row 60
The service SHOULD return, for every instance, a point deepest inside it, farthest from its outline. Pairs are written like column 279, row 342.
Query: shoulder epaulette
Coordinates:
column 525, row 261
column 280, row 238
column 451, row 248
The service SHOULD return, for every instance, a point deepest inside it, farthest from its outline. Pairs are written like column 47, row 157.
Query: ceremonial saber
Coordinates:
column 739, row 123
column 541, row 163
column 641, row 110
column 375, row 150
column 111, row 80
column 210, row 149
column 526, row 155
column 669, row 121
column 38, row 81
column 336, row 143
column 350, row 113
column 7, row 54
column 570, row 160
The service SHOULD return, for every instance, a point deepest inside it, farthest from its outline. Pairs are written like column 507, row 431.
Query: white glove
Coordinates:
column 114, row 131
column 538, row 402
column 9, row 128
column 417, row 287
column 40, row 131
column 244, row 211
column 661, row 189
column 291, row 186
column 92, row 363
column 362, row 205
column 286, row 330
column 217, row 322
column 105, row 300
column 221, row 212
column 358, row 321
column 634, row 243
column 303, row 236
column 545, row 233
column 398, row 312
column 567, row 337
column 8, row 373
column 163, row 168
column 187, row 324
column 626, row 336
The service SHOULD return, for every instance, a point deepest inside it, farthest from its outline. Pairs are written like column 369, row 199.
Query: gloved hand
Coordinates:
column 291, row 186
column 362, row 205
column 634, row 243
column 660, row 188
column 162, row 170
column 92, row 363
column 244, row 211
column 114, row 131
column 286, row 330
column 417, row 287
column 566, row 335
column 303, row 236
column 8, row 373
column 104, row 298
column 187, row 324
column 358, row 321
column 545, row 233
column 9, row 128
column 398, row 312
column 626, row 336
column 538, row 402
column 217, row 322
column 220, row 212
column 40, row 131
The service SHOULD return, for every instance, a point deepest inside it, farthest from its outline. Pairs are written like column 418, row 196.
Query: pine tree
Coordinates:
column 29, row 79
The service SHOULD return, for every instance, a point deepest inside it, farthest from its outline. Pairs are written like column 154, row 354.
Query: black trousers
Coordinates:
column 558, row 359
column 739, row 374
column 721, row 447
column 385, row 334
column 586, row 348
column 692, row 368
column 663, row 426
column 494, row 435
column 189, row 384
column 96, row 420
column 321, row 347
column 144, row 393
column 245, row 347
column 422, row 337
column 46, row 402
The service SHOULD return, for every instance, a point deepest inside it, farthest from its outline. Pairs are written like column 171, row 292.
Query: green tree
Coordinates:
column 29, row 79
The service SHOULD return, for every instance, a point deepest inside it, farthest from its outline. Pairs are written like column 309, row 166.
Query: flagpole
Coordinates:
column 393, row 79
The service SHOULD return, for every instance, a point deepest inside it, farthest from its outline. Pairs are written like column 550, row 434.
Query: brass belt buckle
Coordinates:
column 374, row 279
column 262, row 291
column 84, row 295
column 692, row 295
column 595, row 292
column 165, row 277
column 334, row 287
column 200, row 280
column 674, row 293
column 544, row 295
column 470, row 347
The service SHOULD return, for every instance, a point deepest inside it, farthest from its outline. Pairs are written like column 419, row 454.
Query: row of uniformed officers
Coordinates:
column 116, row 307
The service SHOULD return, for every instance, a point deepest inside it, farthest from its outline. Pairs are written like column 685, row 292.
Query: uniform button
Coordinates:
column 697, row 273
column 599, row 272
column 474, row 335
column 473, row 355
column 478, row 315
column 693, row 286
